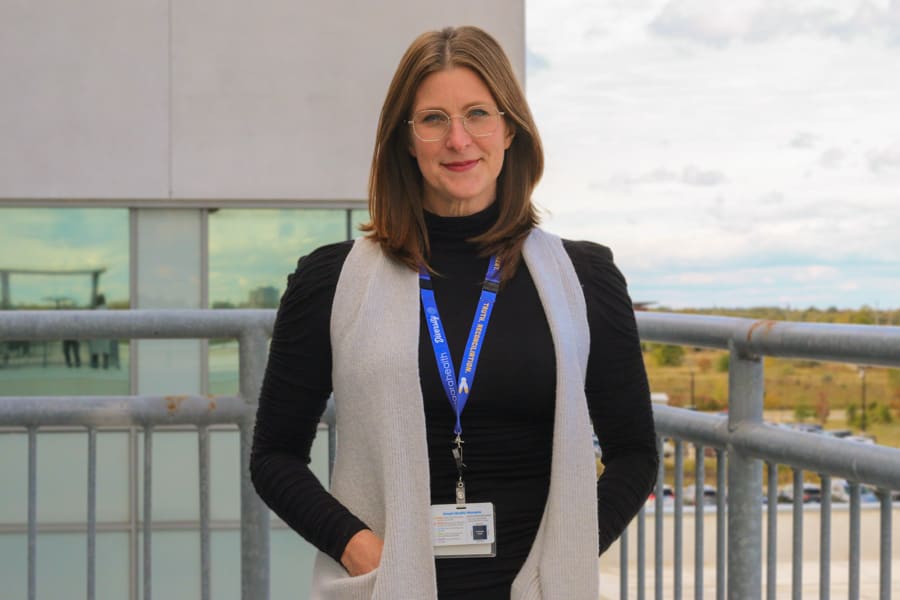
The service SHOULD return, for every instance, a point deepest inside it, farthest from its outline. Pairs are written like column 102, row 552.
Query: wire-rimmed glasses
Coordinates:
column 432, row 125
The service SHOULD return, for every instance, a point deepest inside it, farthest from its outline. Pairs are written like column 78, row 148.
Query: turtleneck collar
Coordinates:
column 456, row 230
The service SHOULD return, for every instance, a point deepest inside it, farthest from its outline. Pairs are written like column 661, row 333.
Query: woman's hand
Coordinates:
column 362, row 553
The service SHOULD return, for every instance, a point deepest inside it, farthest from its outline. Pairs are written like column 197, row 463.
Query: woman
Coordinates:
column 454, row 281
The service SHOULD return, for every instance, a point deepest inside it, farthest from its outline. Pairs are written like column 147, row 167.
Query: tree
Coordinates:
column 802, row 412
column 667, row 355
column 893, row 380
column 864, row 316
column 723, row 363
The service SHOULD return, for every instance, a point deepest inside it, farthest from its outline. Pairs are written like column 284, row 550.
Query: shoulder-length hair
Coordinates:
column 395, row 182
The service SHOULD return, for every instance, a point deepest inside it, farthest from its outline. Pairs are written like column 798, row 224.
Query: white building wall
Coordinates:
column 207, row 99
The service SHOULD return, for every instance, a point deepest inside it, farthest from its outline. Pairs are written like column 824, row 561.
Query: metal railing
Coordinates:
column 741, row 438
column 743, row 442
column 251, row 328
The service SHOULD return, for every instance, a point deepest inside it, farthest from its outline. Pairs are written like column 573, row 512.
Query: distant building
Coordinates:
column 264, row 297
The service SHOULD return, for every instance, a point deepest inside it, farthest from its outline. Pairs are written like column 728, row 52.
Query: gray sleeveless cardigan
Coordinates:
column 381, row 466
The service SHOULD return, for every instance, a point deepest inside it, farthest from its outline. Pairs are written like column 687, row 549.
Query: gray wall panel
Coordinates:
column 84, row 101
column 219, row 99
column 282, row 102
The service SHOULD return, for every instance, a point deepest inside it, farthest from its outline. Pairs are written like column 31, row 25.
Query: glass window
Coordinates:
column 251, row 253
column 64, row 258
column 357, row 218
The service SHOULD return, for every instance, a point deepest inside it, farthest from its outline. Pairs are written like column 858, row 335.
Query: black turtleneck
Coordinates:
column 507, row 423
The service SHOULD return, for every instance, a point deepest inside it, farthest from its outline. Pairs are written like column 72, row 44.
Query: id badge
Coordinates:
column 463, row 532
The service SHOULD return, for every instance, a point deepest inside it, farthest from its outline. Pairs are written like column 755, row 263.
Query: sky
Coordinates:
column 732, row 154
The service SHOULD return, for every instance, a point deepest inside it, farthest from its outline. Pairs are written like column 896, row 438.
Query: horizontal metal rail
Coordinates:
column 742, row 437
column 123, row 410
column 856, row 344
column 868, row 463
column 184, row 323
column 747, row 441
column 250, row 328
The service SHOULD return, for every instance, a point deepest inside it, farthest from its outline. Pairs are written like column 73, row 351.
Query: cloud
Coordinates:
column 721, row 23
column 772, row 198
column 803, row 139
column 832, row 158
column 690, row 175
column 535, row 62
column 814, row 273
column 769, row 275
column 883, row 159
column 734, row 285
column 694, row 176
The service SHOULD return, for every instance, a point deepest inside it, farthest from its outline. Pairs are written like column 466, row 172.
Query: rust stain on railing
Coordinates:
column 766, row 324
column 173, row 403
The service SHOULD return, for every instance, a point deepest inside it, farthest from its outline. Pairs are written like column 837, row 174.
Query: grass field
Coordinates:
column 795, row 391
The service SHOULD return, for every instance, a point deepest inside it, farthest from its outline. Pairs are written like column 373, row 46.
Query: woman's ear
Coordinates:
column 510, row 134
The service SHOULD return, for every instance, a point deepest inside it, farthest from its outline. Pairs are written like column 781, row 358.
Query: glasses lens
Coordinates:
column 480, row 122
column 430, row 124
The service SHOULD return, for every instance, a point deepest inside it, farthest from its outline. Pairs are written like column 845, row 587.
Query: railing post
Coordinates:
column 745, row 404
column 254, row 513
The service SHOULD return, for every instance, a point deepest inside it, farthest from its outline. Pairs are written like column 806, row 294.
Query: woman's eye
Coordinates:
column 433, row 119
column 477, row 113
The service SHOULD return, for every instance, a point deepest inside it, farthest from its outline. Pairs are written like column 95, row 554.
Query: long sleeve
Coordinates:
column 295, row 390
column 617, row 391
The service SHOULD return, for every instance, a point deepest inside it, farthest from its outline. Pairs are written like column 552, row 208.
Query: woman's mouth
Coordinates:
column 463, row 165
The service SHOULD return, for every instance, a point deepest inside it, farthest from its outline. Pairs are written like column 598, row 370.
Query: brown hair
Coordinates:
column 395, row 182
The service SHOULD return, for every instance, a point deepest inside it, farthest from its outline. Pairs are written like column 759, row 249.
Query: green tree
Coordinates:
column 864, row 316
column 667, row 355
column 893, row 379
column 723, row 363
column 802, row 411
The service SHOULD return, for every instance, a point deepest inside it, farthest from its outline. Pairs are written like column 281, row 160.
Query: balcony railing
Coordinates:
column 741, row 441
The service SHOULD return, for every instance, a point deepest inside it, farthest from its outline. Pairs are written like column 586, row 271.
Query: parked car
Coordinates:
column 838, row 433
column 811, row 493
column 840, row 490
column 861, row 439
column 806, row 427
column 668, row 496
column 709, row 495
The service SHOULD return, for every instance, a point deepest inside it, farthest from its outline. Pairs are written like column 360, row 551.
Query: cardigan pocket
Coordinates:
column 331, row 582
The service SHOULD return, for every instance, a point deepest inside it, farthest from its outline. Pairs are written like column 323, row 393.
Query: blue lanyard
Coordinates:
column 458, row 390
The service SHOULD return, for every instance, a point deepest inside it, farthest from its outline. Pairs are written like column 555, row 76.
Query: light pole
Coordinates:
column 693, row 402
column 863, row 420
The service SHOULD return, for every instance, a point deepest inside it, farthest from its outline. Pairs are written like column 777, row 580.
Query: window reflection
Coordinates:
column 63, row 258
column 251, row 253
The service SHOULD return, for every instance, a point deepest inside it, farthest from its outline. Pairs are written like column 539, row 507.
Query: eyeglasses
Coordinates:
column 432, row 125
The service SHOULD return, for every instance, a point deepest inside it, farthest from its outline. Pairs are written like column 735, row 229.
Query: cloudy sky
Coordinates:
column 732, row 153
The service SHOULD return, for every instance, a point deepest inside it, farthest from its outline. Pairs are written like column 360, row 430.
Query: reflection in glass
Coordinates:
column 358, row 217
column 63, row 258
column 61, row 565
column 251, row 253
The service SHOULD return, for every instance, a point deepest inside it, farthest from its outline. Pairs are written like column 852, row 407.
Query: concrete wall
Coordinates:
column 207, row 99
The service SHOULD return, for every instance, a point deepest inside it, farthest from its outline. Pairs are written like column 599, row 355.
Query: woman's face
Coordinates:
column 460, row 170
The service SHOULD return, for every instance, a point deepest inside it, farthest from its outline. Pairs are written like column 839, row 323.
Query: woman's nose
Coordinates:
column 457, row 136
